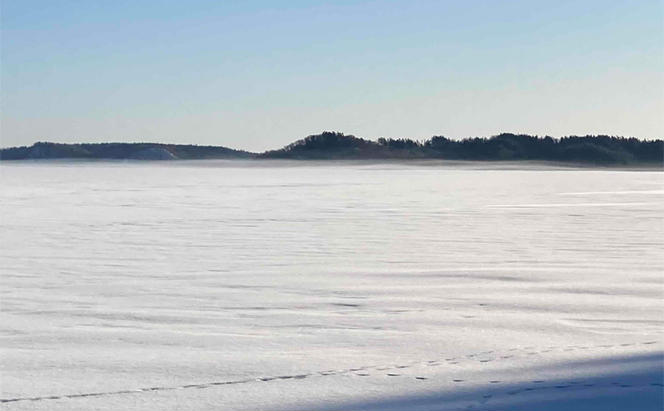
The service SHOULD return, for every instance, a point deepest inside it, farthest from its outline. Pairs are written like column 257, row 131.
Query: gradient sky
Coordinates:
column 260, row 74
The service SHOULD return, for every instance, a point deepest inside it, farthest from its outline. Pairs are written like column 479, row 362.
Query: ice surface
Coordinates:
column 329, row 286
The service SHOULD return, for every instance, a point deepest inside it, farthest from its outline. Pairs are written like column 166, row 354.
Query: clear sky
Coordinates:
column 260, row 74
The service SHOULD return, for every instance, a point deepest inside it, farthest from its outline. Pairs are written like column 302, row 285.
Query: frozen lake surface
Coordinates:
column 330, row 286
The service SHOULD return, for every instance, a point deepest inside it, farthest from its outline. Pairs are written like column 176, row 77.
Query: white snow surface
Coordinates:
column 231, row 285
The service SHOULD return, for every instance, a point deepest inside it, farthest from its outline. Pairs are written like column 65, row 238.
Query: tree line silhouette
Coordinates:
column 604, row 150
column 121, row 151
column 506, row 146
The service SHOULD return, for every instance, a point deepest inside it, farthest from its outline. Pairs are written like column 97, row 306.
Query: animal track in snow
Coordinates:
column 527, row 351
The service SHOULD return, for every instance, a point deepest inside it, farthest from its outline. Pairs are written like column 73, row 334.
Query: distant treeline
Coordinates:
column 604, row 150
column 587, row 149
column 120, row 151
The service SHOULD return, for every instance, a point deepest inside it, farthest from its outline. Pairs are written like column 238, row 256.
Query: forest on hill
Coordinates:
column 506, row 146
column 601, row 150
column 120, row 151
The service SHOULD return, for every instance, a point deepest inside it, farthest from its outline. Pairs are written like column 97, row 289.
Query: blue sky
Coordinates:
column 259, row 74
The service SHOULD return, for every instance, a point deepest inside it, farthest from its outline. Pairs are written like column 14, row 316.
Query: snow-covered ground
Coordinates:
column 334, row 286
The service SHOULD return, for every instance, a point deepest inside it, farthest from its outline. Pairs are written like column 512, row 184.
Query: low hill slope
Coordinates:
column 337, row 146
column 600, row 150
column 514, row 147
column 120, row 151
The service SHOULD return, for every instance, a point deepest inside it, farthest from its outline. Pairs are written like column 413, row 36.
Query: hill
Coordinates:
column 121, row 151
column 600, row 150
column 506, row 146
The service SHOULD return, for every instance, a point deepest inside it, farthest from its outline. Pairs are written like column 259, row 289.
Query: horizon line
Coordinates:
column 344, row 134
